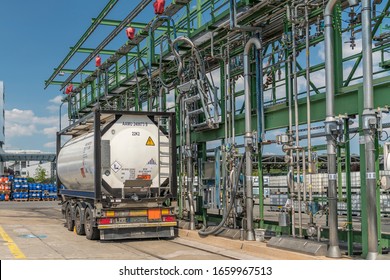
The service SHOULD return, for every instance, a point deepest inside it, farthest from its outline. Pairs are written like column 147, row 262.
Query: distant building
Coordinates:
column 24, row 162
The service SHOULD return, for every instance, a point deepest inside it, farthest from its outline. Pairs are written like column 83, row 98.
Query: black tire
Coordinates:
column 79, row 226
column 68, row 218
column 91, row 232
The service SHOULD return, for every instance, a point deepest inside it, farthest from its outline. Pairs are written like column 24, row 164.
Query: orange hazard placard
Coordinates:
column 150, row 142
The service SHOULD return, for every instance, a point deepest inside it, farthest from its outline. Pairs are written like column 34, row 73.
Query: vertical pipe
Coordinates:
column 378, row 193
column 248, row 137
column 260, row 130
column 161, row 99
column 330, row 128
column 290, row 129
column 179, row 105
column 296, row 117
column 369, row 129
column 339, row 174
column 190, row 189
column 308, row 108
column 291, row 152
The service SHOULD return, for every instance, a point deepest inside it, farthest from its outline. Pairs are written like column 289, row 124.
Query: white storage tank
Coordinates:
column 132, row 148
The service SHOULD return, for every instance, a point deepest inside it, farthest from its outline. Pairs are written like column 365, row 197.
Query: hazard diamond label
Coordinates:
column 116, row 167
column 150, row 142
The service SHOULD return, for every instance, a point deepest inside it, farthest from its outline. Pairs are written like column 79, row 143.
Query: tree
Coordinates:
column 40, row 174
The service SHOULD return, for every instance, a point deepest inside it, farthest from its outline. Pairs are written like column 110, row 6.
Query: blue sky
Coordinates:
column 35, row 37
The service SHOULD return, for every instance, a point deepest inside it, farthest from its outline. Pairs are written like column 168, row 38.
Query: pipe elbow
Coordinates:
column 353, row 3
column 329, row 8
column 252, row 41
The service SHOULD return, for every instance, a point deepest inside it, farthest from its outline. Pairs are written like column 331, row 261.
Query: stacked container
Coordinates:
column 5, row 188
column 20, row 189
column 49, row 192
column 35, row 191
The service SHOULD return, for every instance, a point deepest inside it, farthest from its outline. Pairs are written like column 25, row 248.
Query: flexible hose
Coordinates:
column 204, row 232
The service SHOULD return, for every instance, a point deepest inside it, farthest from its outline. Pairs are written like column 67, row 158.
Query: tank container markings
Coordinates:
column 150, row 142
column 116, row 167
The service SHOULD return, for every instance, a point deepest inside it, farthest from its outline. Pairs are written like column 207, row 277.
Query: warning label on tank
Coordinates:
column 116, row 167
column 150, row 142
column 152, row 162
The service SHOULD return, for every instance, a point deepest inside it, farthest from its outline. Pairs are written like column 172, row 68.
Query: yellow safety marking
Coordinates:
column 150, row 142
column 14, row 249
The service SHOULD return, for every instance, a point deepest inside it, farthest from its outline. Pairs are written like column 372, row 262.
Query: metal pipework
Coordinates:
column 248, row 138
column 233, row 19
column 161, row 99
column 308, row 109
column 296, row 115
column 331, row 129
column 370, row 129
column 331, row 132
column 190, row 186
column 195, row 51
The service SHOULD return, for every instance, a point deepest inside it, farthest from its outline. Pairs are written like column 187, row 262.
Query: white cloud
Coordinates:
column 50, row 144
column 55, row 104
column 26, row 123
column 56, row 100
column 50, row 131
column 17, row 130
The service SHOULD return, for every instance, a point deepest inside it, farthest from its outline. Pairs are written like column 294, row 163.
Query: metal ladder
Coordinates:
column 201, row 105
column 164, row 157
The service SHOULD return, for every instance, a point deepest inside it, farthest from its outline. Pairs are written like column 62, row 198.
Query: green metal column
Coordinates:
column 199, row 12
column 117, row 73
column 348, row 186
column 93, row 91
column 338, row 49
column 223, row 90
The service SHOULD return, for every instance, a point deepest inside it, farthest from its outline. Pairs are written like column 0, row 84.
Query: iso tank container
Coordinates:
column 132, row 155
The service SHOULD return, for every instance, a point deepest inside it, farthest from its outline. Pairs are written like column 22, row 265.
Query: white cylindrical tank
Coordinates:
column 131, row 151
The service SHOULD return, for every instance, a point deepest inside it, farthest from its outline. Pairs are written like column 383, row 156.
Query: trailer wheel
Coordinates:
column 68, row 218
column 79, row 226
column 91, row 232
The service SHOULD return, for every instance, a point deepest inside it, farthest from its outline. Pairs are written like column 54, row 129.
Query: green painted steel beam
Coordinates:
column 140, row 25
column 346, row 102
column 107, row 52
column 58, row 83
column 83, row 38
column 88, row 72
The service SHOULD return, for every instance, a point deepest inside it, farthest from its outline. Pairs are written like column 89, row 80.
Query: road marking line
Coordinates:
column 14, row 249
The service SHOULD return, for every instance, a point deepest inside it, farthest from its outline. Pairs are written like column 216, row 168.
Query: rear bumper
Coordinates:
column 138, row 233
column 138, row 225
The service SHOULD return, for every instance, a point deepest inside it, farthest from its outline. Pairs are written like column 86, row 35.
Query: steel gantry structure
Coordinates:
column 234, row 71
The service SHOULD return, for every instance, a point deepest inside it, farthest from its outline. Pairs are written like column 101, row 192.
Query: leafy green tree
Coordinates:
column 40, row 174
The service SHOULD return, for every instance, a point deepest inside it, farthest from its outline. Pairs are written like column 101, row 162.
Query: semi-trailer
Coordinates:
column 116, row 175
